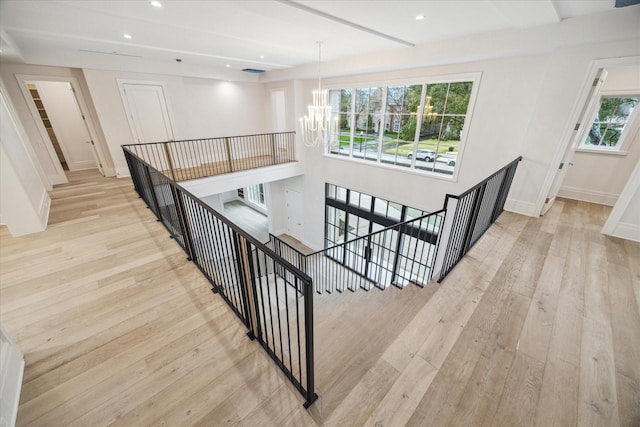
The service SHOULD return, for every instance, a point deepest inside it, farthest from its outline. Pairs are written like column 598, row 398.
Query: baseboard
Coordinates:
column 599, row 197
column 122, row 173
column 78, row 166
column 57, row 179
column 43, row 210
column 627, row 231
column 520, row 207
column 109, row 172
column 279, row 232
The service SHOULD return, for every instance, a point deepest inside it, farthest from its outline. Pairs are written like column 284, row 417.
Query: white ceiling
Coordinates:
column 264, row 34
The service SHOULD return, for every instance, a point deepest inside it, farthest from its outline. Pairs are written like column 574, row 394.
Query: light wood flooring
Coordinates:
column 538, row 325
column 247, row 218
column 222, row 167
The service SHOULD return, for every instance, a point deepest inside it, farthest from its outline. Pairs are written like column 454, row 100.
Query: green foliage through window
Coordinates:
column 613, row 115
column 380, row 124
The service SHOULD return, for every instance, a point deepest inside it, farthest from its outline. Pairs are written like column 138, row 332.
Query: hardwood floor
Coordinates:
column 250, row 220
column 538, row 325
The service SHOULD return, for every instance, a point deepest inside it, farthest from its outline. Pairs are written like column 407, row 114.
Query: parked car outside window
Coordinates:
column 426, row 155
column 448, row 159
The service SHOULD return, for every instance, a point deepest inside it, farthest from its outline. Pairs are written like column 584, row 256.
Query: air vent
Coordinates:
column 253, row 70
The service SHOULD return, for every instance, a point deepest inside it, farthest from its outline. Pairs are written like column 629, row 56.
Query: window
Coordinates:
column 392, row 256
column 255, row 195
column 380, row 124
column 608, row 127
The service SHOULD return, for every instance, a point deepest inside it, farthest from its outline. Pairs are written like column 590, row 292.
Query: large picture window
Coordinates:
column 416, row 126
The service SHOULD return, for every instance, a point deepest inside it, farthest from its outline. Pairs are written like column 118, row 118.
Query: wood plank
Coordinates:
column 536, row 332
column 521, row 392
column 558, row 403
column 356, row 408
column 598, row 403
column 405, row 394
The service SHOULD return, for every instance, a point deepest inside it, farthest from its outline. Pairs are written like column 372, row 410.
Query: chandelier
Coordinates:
column 315, row 125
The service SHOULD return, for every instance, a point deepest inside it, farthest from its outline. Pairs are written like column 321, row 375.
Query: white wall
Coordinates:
column 24, row 201
column 199, row 108
column 529, row 86
column 613, row 169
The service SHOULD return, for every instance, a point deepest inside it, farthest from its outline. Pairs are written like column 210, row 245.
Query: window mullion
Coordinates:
column 383, row 111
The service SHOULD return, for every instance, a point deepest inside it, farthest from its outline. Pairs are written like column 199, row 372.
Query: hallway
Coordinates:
column 538, row 325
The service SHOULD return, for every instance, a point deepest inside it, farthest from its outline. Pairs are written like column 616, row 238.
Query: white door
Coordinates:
column 68, row 124
column 579, row 133
column 147, row 111
column 293, row 200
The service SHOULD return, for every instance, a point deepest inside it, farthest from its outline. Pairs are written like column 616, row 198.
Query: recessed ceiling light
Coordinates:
column 261, row 56
column 227, row 65
column 419, row 17
column 156, row 3
column 127, row 36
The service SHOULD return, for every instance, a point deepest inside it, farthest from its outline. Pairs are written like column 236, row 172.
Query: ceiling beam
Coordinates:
column 344, row 22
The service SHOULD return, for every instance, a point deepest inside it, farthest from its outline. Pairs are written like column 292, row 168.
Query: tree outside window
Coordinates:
column 380, row 124
column 614, row 113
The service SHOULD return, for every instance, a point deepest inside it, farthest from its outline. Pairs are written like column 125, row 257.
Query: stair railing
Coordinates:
column 199, row 158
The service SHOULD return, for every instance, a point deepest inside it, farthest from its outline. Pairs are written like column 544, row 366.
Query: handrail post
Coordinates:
column 477, row 202
column 227, row 146
column 186, row 232
column 309, row 347
column 249, row 288
column 273, row 149
column 167, row 153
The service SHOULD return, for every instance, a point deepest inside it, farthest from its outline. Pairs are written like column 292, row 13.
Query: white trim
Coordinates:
column 43, row 210
column 11, row 377
column 440, row 78
column 84, row 110
column 26, row 142
column 599, row 197
column 123, row 172
column 127, row 109
column 613, row 226
column 601, row 151
column 628, row 231
column 521, row 207
column 60, row 177
column 87, row 164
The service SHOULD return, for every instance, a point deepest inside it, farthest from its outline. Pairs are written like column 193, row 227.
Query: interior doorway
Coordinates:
column 61, row 117
column 64, row 124
column 598, row 174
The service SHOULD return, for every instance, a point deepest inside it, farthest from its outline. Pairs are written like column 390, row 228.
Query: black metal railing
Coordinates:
column 199, row 158
column 407, row 252
column 397, row 255
column 272, row 297
column 476, row 209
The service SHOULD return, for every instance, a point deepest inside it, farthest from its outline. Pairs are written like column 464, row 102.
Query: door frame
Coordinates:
column 127, row 107
column 300, row 225
column 23, row 80
column 565, row 152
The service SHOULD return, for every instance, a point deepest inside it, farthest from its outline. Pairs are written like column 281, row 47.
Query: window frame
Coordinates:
column 473, row 77
column 621, row 148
